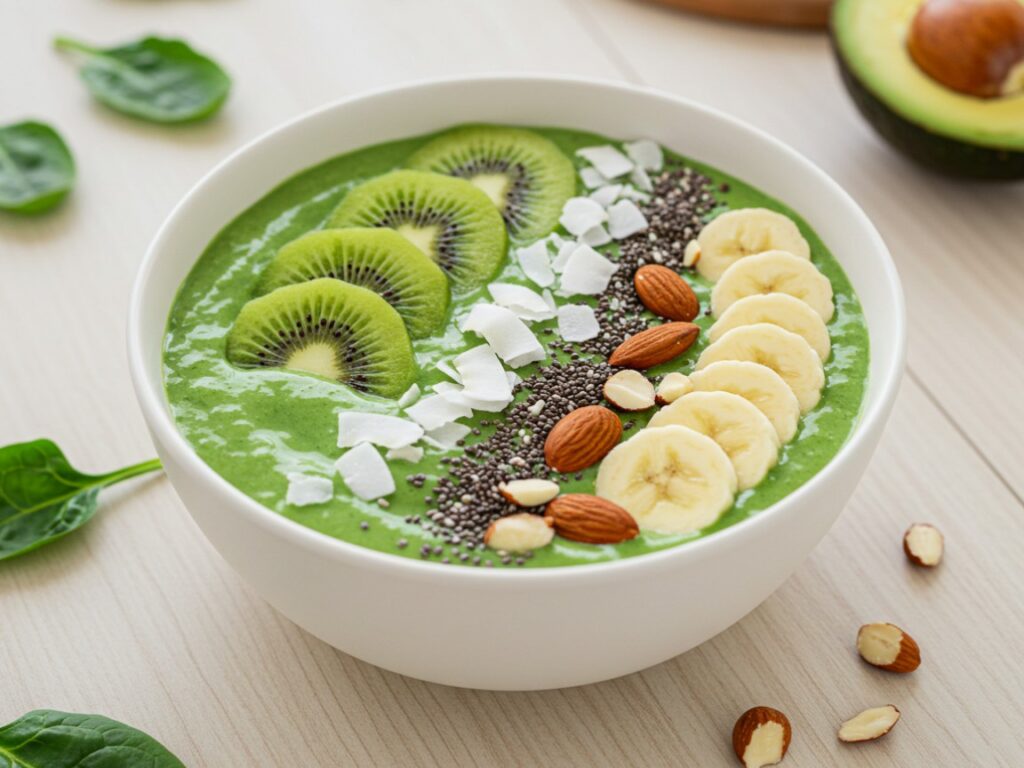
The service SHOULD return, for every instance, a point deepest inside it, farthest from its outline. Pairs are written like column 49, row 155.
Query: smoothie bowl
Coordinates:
column 516, row 383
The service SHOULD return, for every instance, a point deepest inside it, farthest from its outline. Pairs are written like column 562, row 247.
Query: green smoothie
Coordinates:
column 255, row 426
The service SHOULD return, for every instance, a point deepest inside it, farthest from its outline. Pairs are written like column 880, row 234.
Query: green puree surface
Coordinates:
column 255, row 426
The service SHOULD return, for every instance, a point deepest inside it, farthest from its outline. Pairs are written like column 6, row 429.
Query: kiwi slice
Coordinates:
column 328, row 328
column 449, row 219
column 378, row 259
column 524, row 174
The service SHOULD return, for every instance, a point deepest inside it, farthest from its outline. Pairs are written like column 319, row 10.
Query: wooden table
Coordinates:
column 138, row 618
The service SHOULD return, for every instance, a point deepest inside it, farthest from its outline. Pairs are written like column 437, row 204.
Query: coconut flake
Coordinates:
column 625, row 219
column 304, row 490
column 513, row 379
column 508, row 336
column 577, row 322
column 592, row 178
column 646, row 154
column 608, row 161
column 410, row 453
column 558, row 265
column 376, row 428
column 524, row 302
column 586, row 271
column 536, row 263
column 446, row 368
column 632, row 193
column 606, row 195
column 434, row 411
column 641, row 180
column 580, row 214
column 365, row 473
column 476, row 403
column 596, row 236
column 483, row 376
column 410, row 396
column 448, row 436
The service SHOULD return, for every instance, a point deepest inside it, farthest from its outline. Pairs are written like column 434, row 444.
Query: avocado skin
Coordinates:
column 951, row 157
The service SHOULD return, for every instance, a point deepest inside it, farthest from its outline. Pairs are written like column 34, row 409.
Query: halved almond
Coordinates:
column 671, row 387
column 519, row 533
column 691, row 254
column 532, row 492
column 888, row 647
column 870, row 724
column 629, row 390
column 923, row 545
column 761, row 737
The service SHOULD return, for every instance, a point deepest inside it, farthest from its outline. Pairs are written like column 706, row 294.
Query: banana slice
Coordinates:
column 757, row 383
column 773, row 272
column 779, row 309
column 744, row 232
column 783, row 351
column 742, row 431
column 671, row 479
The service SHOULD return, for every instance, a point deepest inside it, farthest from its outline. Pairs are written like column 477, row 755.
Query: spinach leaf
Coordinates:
column 36, row 167
column 45, row 737
column 156, row 79
column 42, row 497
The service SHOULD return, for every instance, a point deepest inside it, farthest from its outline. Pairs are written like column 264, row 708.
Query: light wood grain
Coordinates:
column 138, row 618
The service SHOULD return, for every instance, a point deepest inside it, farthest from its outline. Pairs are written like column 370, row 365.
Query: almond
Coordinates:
column 590, row 519
column 665, row 293
column 923, row 544
column 869, row 725
column 671, row 387
column 582, row 438
column 521, row 532
column 655, row 345
column 691, row 254
column 629, row 391
column 888, row 647
column 531, row 492
column 761, row 736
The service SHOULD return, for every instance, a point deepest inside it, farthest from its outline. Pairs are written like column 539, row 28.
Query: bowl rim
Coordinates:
column 152, row 395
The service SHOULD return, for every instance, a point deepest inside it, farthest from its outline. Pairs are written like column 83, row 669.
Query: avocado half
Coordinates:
column 947, row 131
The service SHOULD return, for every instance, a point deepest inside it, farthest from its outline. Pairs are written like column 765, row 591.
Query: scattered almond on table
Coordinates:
column 888, row 647
column 761, row 737
column 923, row 545
column 869, row 725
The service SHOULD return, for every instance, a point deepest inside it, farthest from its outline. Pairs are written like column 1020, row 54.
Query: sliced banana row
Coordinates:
column 763, row 369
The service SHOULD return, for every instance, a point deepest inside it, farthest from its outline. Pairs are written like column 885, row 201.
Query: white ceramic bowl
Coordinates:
column 514, row 629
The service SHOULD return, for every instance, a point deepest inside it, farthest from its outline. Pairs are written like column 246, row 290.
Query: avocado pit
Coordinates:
column 975, row 47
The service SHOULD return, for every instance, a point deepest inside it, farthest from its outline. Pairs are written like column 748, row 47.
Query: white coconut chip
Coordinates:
column 580, row 214
column 410, row 396
column 596, row 236
column 641, row 180
column 524, row 302
column 536, row 263
column 592, row 178
column 587, row 272
column 410, row 453
column 606, row 195
column 376, row 428
column 508, row 336
column 558, row 265
column 478, row 404
column 513, row 378
column 483, row 376
column 646, row 154
column 632, row 193
column 446, row 368
column 577, row 322
column 448, row 436
column 436, row 410
column 549, row 299
column 365, row 473
column 625, row 219
column 304, row 490
column 446, row 386
column 608, row 161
